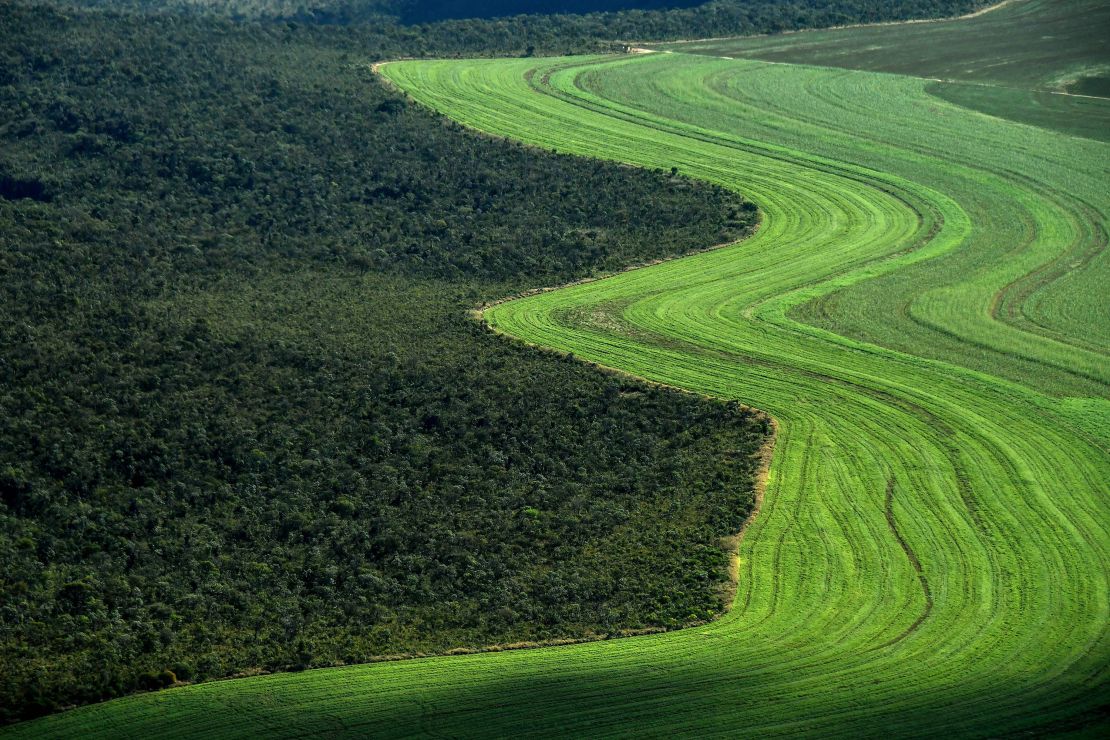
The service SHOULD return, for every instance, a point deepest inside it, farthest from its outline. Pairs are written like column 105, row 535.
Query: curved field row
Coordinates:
column 919, row 311
column 1025, row 60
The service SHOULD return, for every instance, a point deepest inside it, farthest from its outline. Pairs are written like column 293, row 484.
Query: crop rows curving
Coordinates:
column 921, row 313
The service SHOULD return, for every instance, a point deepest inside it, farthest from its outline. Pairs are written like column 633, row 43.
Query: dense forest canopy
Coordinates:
column 498, row 26
column 424, row 11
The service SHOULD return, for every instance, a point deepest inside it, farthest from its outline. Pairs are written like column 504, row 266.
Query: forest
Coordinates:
column 393, row 28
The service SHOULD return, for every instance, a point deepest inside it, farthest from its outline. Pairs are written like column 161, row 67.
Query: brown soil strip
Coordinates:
column 759, row 488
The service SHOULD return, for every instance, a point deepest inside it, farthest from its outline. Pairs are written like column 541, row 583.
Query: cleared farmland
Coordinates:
column 921, row 311
column 1044, row 62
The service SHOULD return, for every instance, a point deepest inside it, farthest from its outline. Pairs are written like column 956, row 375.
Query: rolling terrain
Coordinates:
column 1043, row 62
column 921, row 311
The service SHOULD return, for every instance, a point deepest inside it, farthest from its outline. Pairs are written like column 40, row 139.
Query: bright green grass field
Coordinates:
column 923, row 311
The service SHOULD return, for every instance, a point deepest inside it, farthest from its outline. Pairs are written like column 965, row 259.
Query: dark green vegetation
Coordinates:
column 1087, row 117
column 423, row 11
column 1026, row 61
column 387, row 25
column 246, row 422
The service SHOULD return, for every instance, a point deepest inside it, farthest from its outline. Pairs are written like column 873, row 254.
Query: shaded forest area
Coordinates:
column 246, row 423
column 429, row 11
column 392, row 28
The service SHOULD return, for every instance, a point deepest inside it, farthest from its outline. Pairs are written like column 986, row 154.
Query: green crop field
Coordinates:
column 1043, row 62
column 923, row 311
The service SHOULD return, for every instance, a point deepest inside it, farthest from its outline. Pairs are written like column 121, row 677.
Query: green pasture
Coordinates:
column 1022, row 43
column 1044, row 62
column 923, row 311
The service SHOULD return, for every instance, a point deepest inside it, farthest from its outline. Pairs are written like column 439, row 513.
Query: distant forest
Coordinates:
column 504, row 26
column 246, row 422
column 425, row 11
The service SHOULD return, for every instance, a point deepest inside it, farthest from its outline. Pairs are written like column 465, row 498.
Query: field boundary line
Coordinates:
column 876, row 24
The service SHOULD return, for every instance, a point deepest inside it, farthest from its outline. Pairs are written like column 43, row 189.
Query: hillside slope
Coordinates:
column 1042, row 62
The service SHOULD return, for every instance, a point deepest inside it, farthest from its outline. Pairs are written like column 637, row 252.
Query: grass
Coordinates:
column 922, row 313
column 1013, row 62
